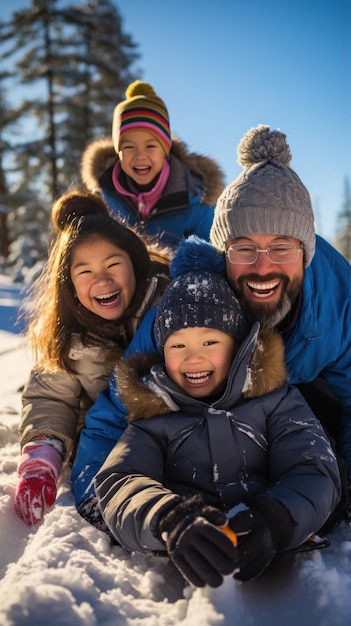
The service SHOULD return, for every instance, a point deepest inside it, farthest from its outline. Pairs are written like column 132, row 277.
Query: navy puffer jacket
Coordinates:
column 260, row 437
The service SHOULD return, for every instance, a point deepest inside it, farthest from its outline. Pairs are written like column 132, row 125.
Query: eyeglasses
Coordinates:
column 246, row 254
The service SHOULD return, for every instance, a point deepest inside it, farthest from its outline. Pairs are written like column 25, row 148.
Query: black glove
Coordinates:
column 261, row 532
column 195, row 544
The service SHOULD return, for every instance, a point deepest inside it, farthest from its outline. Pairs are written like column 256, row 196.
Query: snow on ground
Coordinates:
column 66, row 573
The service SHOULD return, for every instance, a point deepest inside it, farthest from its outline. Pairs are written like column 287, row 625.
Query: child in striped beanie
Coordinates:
column 148, row 178
column 142, row 110
column 142, row 139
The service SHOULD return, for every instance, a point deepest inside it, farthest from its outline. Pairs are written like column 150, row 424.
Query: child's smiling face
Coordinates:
column 198, row 360
column 103, row 278
column 141, row 156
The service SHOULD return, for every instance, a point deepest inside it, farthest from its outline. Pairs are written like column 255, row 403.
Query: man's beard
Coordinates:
column 269, row 315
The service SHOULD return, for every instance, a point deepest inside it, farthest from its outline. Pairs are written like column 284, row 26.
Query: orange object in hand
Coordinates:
column 230, row 534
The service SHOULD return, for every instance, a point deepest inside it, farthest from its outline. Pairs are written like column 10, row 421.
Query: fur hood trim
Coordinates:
column 100, row 155
column 266, row 372
column 137, row 397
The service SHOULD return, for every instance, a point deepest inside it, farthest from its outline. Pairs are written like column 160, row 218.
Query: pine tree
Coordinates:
column 99, row 63
column 30, row 35
column 72, row 64
column 75, row 74
column 4, row 208
column 8, row 197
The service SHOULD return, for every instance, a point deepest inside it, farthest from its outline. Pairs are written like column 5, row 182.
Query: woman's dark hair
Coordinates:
column 56, row 312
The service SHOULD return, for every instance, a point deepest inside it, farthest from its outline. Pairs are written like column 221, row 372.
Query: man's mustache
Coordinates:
column 258, row 278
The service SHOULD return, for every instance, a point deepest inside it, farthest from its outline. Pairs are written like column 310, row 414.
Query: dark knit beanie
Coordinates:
column 199, row 299
column 267, row 197
column 142, row 110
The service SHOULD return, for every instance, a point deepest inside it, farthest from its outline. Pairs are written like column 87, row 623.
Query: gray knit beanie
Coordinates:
column 267, row 197
column 199, row 299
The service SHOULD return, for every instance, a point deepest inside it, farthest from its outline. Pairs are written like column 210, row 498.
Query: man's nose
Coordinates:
column 263, row 262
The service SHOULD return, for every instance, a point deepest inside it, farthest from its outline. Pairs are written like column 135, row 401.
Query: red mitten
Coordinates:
column 39, row 469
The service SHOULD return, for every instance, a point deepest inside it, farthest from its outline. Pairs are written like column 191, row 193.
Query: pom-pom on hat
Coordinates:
column 199, row 299
column 142, row 110
column 267, row 197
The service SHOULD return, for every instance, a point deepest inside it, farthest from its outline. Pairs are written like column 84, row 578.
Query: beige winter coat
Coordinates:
column 56, row 404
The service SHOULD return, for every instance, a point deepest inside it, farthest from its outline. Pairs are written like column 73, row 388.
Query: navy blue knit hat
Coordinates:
column 199, row 299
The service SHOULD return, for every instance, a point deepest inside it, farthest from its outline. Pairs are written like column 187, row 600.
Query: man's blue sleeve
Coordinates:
column 106, row 420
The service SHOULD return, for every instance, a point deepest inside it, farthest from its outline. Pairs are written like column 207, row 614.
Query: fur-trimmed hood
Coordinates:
column 265, row 372
column 100, row 155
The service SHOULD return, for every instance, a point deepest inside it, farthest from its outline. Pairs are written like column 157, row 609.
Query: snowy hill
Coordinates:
column 65, row 572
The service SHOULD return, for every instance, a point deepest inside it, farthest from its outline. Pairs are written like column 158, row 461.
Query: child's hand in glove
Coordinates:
column 261, row 532
column 39, row 469
column 195, row 542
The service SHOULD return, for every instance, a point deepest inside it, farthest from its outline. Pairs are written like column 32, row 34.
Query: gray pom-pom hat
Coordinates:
column 268, row 197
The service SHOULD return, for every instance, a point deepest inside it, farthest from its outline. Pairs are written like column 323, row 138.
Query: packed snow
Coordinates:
column 65, row 572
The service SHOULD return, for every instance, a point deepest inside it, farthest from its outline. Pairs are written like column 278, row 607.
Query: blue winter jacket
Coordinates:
column 259, row 441
column 318, row 343
column 187, row 203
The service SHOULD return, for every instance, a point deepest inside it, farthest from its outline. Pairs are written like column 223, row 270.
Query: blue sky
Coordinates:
column 225, row 66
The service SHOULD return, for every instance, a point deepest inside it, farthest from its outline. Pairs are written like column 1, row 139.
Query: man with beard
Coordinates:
column 288, row 278
column 285, row 276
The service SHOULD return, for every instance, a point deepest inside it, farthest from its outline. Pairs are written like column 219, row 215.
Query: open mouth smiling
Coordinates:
column 198, row 378
column 108, row 299
column 263, row 290
column 142, row 170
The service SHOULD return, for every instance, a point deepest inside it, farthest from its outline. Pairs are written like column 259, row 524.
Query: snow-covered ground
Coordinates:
column 66, row 573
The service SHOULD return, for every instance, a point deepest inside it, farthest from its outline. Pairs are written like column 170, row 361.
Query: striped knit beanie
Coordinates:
column 268, row 197
column 142, row 110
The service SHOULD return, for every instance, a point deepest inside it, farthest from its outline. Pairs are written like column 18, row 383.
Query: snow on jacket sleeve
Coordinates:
column 106, row 420
column 303, row 470
column 132, row 502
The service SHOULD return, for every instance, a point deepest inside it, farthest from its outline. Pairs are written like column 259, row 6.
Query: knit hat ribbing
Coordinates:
column 142, row 110
column 267, row 197
column 199, row 299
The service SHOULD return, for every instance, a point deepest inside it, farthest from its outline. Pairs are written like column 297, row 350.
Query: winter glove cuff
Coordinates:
column 38, row 454
column 186, row 508
column 39, row 469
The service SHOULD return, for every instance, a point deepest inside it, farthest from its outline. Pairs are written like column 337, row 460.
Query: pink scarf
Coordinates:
column 144, row 200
